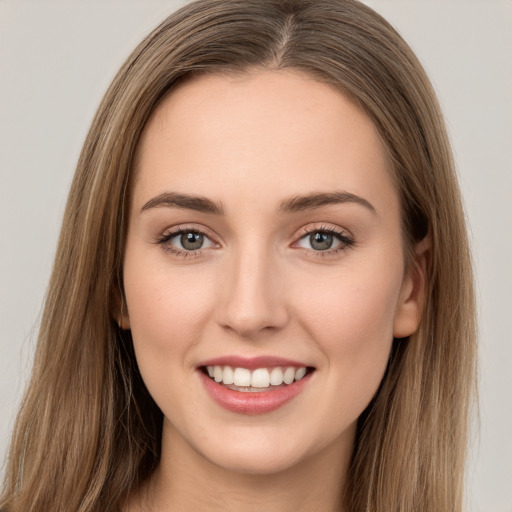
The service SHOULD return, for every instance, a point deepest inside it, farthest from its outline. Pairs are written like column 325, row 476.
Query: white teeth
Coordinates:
column 258, row 378
column 289, row 375
column 217, row 373
column 242, row 377
column 300, row 373
column 227, row 375
column 276, row 377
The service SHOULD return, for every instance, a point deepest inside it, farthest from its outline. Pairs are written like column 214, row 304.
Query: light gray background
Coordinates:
column 57, row 59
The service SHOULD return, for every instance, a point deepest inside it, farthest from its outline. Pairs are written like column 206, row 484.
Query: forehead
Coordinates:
column 281, row 132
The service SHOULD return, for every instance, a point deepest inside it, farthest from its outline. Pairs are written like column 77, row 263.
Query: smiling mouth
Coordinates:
column 257, row 380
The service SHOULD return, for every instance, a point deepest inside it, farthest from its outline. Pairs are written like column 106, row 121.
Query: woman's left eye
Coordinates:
column 327, row 240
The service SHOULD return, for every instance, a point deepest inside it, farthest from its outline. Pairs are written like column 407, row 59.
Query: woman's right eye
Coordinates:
column 190, row 241
column 184, row 242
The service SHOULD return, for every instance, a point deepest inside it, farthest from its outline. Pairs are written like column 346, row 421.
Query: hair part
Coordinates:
column 88, row 431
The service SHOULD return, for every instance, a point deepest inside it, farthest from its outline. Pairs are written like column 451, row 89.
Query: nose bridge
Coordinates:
column 253, row 298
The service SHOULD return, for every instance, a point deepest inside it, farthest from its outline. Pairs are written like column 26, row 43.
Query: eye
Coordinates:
column 185, row 242
column 325, row 240
column 190, row 241
column 320, row 241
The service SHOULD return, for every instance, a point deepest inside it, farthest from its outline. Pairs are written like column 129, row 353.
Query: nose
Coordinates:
column 252, row 300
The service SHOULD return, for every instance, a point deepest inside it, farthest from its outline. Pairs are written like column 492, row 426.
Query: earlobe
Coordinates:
column 124, row 321
column 120, row 311
column 410, row 304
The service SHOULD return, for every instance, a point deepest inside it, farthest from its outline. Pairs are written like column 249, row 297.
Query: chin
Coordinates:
column 269, row 451
column 256, row 460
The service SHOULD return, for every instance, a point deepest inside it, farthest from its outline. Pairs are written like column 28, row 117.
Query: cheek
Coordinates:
column 167, row 308
column 350, row 317
column 349, row 307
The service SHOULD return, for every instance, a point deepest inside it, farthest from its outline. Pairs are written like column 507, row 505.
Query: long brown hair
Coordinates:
column 88, row 431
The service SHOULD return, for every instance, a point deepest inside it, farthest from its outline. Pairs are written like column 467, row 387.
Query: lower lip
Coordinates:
column 258, row 402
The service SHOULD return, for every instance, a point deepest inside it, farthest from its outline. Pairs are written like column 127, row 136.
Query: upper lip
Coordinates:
column 251, row 363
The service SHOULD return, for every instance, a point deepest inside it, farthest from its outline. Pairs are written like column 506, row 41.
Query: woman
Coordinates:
column 262, row 287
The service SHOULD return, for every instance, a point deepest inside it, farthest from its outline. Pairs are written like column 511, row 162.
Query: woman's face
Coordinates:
column 264, row 244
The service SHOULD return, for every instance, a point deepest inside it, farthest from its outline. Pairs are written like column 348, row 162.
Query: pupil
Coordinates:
column 320, row 241
column 191, row 241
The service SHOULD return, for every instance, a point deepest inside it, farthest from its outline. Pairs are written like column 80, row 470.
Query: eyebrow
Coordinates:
column 186, row 201
column 291, row 205
column 317, row 200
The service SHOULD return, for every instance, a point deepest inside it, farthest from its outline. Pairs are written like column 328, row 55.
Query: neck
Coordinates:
column 185, row 480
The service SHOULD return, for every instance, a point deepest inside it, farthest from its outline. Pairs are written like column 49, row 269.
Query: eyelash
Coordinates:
column 346, row 241
column 180, row 230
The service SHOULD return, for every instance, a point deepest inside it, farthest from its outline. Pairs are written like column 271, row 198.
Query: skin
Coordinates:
column 258, row 287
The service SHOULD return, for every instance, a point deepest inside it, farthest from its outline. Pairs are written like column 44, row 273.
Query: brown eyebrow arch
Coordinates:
column 316, row 200
column 291, row 205
column 186, row 201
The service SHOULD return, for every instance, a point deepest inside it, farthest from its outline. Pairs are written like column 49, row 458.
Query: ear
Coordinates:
column 410, row 304
column 119, row 310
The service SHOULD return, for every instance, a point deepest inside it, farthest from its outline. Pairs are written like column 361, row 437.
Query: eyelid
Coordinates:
column 168, row 234
column 196, row 228
column 344, row 236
